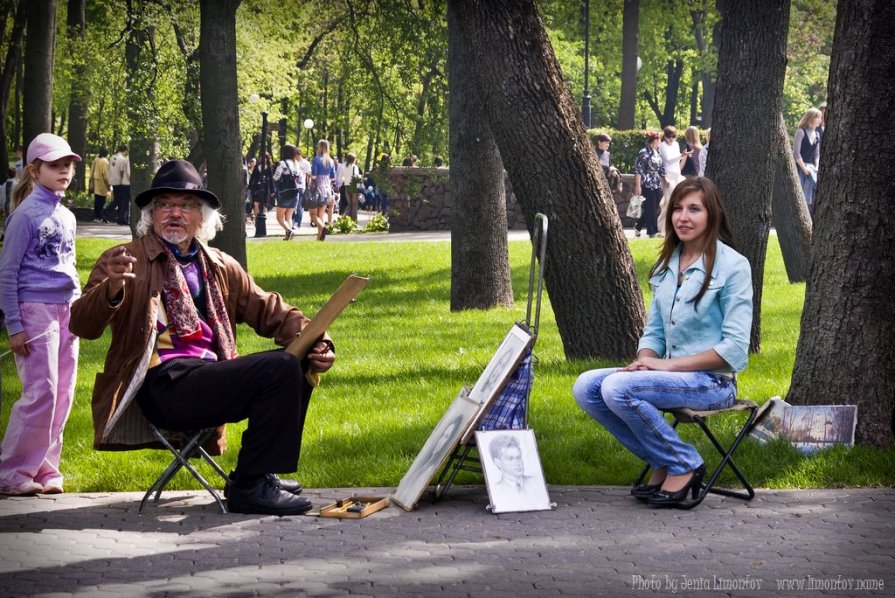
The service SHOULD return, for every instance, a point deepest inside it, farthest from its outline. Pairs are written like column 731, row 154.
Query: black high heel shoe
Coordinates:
column 663, row 498
column 642, row 492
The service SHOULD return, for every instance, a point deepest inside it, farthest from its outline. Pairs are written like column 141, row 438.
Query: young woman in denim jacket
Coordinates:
column 696, row 338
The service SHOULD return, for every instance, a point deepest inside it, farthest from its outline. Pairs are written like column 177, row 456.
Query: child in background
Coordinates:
column 38, row 283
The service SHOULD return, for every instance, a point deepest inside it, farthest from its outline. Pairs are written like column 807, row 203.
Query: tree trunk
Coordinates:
column 751, row 65
column 480, row 267
column 789, row 213
column 143, row 120
column 220, row 116
column 77, row 106
column 708, row 85
column 673, row 71
column 189, row 100
column 590, row 273
column 10, row 65
column 37, row 90
column 844, row 354
column 630, row 48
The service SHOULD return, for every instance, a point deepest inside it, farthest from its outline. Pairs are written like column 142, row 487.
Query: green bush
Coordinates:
column 342, row 226
column 378, row 224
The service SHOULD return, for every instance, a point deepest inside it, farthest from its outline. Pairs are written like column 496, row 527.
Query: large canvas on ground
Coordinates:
column 435, row 452
column 513, row 471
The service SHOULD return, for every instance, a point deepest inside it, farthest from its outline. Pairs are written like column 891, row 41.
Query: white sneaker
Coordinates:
column 23, row 489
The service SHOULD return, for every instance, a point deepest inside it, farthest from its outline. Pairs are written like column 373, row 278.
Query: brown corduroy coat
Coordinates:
column 117, row 419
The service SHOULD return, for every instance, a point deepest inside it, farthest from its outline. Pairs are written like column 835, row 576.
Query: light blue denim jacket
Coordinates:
column 676, row 327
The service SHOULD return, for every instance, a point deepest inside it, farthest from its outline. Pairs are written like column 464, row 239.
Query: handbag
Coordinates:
column 311, row 199
column 635, row 206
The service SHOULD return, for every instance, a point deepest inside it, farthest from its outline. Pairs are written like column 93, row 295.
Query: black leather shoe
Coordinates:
column 663, row 498
column 264, row 498
column 290, row 486
column 643, row 491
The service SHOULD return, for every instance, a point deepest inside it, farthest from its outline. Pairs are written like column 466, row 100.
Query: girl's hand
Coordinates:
column 635, row 366
column 647, row 363
column 18, row 343
column 655, row 363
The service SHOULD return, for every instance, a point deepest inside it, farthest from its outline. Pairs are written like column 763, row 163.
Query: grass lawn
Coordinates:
column 403, row 355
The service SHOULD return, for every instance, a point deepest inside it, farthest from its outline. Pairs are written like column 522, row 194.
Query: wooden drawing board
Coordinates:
column 344, row 295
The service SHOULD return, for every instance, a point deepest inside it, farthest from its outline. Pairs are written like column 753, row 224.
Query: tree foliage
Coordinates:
column 372, row 75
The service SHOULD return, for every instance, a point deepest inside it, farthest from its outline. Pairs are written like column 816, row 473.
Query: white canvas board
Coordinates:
column 513, row 471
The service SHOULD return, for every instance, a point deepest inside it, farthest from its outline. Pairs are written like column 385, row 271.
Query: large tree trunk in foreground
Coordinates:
column 77, row 104
column 590, row 274
column 37, row 89
column 847, row 342
column 749, row 96
column 790, row 214
column 480, row 267
column 220, row 117
column 630, row 47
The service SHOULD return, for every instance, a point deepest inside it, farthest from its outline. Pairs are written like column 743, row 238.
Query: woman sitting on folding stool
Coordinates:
column 696, row 338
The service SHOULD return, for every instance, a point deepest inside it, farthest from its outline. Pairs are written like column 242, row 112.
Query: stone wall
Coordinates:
column 420, row 200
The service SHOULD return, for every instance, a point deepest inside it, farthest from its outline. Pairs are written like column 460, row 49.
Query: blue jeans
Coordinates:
column 299, row 212
column 627, row 404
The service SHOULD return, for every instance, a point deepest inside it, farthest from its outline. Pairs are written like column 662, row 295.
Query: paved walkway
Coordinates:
column 597, row 542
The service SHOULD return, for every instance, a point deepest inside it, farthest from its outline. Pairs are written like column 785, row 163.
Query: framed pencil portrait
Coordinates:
column 513, row 472
column 436, row 450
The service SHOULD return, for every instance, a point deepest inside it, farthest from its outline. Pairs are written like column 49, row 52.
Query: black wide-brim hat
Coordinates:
column 177, row 176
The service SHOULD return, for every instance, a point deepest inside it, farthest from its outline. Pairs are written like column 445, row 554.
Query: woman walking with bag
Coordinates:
column 286, row 181
column 320, row 191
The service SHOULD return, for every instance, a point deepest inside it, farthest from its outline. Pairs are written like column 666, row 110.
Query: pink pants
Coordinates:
column 33, row 442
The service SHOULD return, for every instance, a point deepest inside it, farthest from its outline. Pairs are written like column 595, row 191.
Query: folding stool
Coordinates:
column 192, row 447
column 688, row 416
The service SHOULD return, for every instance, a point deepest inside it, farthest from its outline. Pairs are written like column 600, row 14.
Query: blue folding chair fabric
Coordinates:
column 509, row 411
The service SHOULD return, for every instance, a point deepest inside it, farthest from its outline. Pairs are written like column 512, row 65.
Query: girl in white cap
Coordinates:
column 38, row 283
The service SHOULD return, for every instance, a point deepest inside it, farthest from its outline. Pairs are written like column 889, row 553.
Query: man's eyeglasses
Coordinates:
column 168, row 206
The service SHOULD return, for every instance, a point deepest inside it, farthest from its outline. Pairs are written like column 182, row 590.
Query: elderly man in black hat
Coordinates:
column 173, row 303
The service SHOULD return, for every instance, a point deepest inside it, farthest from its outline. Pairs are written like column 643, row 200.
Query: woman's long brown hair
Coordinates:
column 716, row 227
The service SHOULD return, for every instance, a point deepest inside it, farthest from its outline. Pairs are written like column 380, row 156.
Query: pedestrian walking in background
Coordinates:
column 99, row 184
column 320, row 193
column 806, row 148
column 120, row 179
column 693, row 153
column 649, row 174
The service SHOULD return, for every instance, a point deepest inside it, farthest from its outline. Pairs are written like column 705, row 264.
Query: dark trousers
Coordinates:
column 269, row 389
column 650, row 213
column 343, row 199
column 99, row 201
column 121, row 199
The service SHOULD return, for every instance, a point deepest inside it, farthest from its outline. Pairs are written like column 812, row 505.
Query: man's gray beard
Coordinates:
column 174, row 237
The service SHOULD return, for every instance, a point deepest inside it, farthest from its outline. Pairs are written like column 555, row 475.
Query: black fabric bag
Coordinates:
column 287, row 188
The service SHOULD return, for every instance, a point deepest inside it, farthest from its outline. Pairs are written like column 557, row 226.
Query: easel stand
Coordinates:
column 465, row 456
